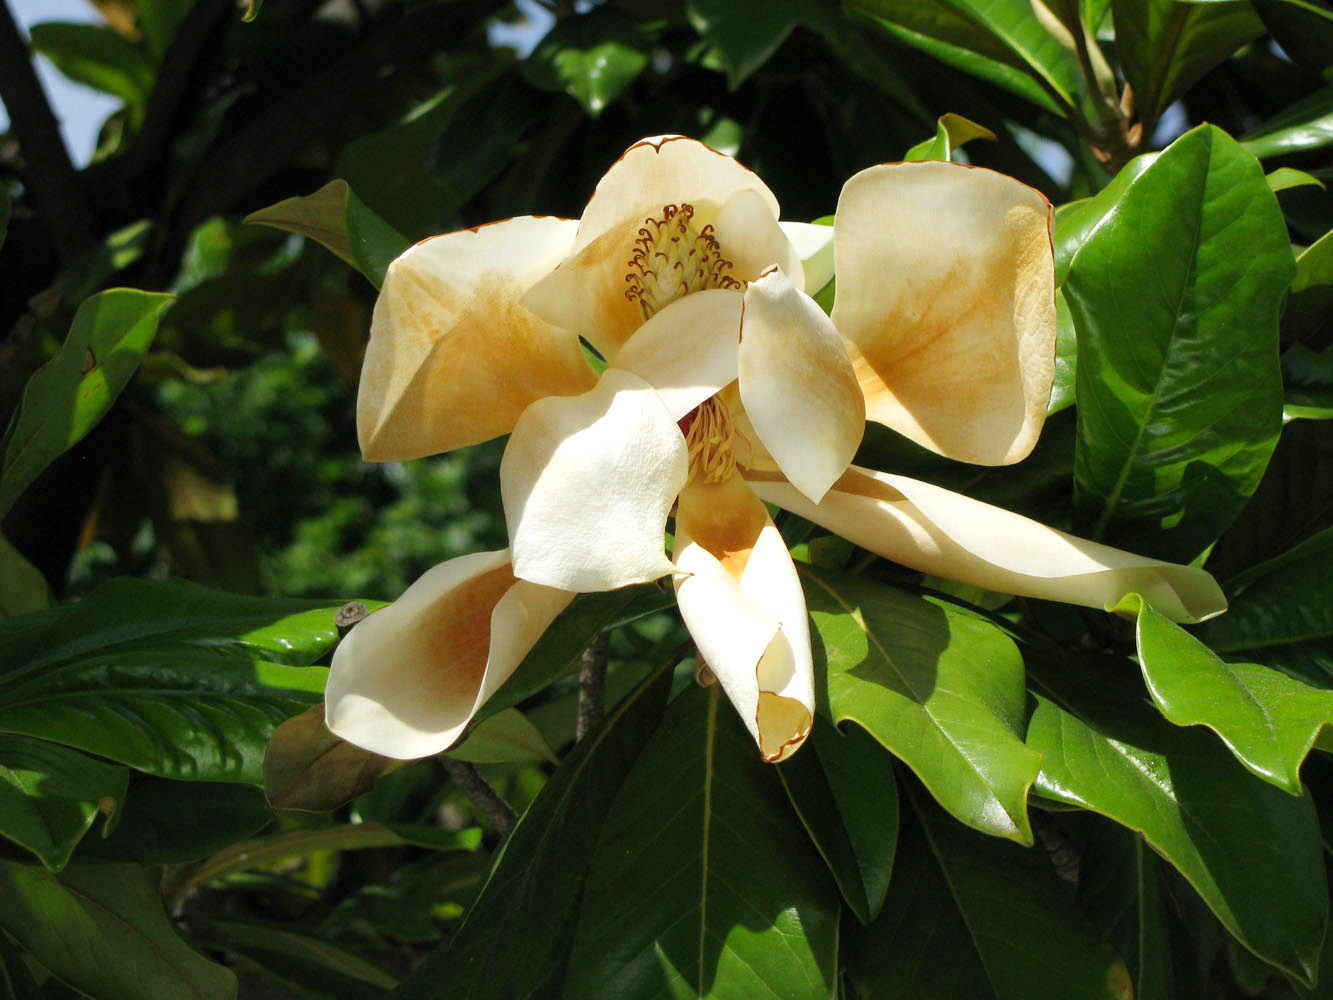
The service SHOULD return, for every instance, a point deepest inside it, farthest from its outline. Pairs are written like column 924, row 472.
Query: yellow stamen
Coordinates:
column 671, row 259
column 708, row 435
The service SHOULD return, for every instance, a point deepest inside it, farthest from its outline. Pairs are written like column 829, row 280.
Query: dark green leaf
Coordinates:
column 952, row 132
column 70, row 393
column 16, row 981
column 50, row 796
column 1165, row 46
column 22, row 586
column 516, row 936
column 1306, row 125
column 1194, row 259
column 593, row 57
column 507, row 737
column 96, row 56
column 102, row 929
column 314, row 968
column 171, row 822
column 943, row 691
column 1304, row 29
column 6, row 207
column 1251, row 851
column 1309, row 380
column 746, row 32
column 1267, row 719
column 704, row 883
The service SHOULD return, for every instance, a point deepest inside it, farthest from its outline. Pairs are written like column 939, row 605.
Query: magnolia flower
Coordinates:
column 723, row 385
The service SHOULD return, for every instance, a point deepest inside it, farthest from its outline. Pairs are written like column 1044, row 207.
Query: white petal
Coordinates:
column 797, row 385
column 945, row 534
column 688, row 351
column 814, row 245
column 587, row 483
column 749, row 236
column 406, row 681
column 745, row 609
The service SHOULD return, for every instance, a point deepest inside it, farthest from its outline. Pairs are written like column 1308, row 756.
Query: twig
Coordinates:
column 592, row 686
column 499, row 813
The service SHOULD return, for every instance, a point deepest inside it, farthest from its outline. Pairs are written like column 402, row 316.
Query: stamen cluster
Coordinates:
column 671, row 259
column 708, row 434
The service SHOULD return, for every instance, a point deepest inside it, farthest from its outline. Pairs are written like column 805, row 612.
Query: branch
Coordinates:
column 499, row 813
column 592, row 685
column 48, row 172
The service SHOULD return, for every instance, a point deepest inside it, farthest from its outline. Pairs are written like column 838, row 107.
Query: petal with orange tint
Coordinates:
column 453, row 357
column 949, row 535
column 587, row 483
column 688, row 351
column 406, row 681
column 946, row 292
column 745, row 609
column 797, row 385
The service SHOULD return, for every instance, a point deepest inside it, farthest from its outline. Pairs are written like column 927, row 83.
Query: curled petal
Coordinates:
column 688, row 351
column 587, row 483
column 745, row 609
column 797, row 385
column 946, row 292
column 453, row 358
column 814, row 245
column 748, row 235
column 945, row 534
column 406, row 681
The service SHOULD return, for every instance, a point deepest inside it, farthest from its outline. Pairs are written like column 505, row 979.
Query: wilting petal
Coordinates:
column 939, row 532
column 744, row 607
column 749, row 236
column 797, row 385
column 587, row 483
column 453, row 358
column 946, row 290
column 688, row 351
column 587, row 291
column 406, row 681
column 814, row 245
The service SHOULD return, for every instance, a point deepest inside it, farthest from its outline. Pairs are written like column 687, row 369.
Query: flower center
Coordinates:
column 708, row 435
column 671, row 259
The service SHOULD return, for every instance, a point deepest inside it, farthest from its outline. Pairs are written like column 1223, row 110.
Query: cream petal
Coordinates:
column 453, row 358
column 743, row 604
column 946, row 534
column 748, row 235
column 946, row 292
column 587, row 483
column 688, row 351
column 814, row 245
column 797, row 385
column 587, row 291
column 406, row 681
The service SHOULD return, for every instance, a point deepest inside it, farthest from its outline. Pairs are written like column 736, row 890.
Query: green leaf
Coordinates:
column 505, row 737
column 1306, row 125
column 746, row 32
column 1314, row 264
column 252, row 10
column 1165, row 46
column 516, row 935
column 169, row 678
column 6, row 208
column 704, row 884
column 987, row 917
column 99, row 57
column 102, row 929
column 68, row 395
column 593, row 57
column 312, row 967
column 1176, row 423
column 51, row 795
column 22, row 586
column 1304, row 29
column 943, row 691
column 846, row 795
column 1267, row 719
column 1285, row 178
column 952, row 132
column 172, row 822
column 1309, row 380
column 337, row 219
column 1251, row 851
column 307, row 767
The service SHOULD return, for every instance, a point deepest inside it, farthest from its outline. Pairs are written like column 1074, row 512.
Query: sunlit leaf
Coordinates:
column 951, row 132
column 593, row 57
column 97, row 56
column 1306, row 125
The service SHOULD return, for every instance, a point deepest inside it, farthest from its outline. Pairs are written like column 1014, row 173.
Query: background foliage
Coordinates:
column 184, row 512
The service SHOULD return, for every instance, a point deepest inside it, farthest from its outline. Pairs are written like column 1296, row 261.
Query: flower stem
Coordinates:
column 499, row 813
column 592, row 686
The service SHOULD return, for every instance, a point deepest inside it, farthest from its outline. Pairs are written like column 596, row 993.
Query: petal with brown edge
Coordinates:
column 587, row 483
column 407, row 680
column 797, row 385
column 946, row 294
column 453, row 357
column 743, row 604
column 946, row 534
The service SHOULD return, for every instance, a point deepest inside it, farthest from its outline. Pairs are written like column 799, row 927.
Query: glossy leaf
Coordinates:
column 951, row 132
column 988, row 918
column 1306, row 125
column 941, row 690
column 102, row 929
column 1267, row 719
column 746, row 32
column 50, row 796
column 1286, row 178
column 594, row 57
column 169, row 678
column 336, row 218
column 68, row 395
column 704, row 883
column 516, row 936
column 1165, row 46
column 1250, row 850
column 307, row 767
column 1194, row 259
